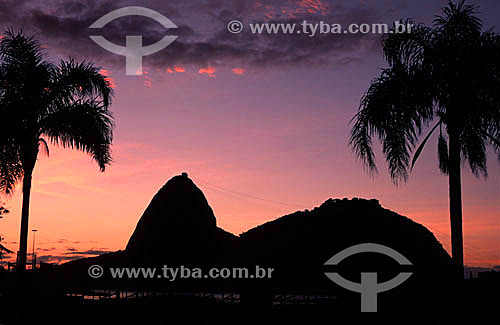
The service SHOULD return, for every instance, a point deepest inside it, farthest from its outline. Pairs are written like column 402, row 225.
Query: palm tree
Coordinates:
column 447, row 74
column 66, row 104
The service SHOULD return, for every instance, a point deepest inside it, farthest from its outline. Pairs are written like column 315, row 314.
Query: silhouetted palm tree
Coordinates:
column 66, row 104
column 448, row 73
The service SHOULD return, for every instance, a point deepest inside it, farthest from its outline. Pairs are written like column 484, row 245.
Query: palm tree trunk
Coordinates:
column 23, row 241
column 455, row 191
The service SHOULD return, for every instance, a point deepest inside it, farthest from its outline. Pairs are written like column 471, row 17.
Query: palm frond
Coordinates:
column 79, row 81
column 407, row 49
column 86, row 126
column 422, row 145
column 393, row 111
column 24, row 76
column 474, row 151
column 16, row 48
column 361, row 141
column 11, row 170
column 45, row 145
column 458, row 17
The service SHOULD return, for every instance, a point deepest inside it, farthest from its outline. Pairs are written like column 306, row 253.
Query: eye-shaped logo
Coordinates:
column 368, row 286
column 133, row 51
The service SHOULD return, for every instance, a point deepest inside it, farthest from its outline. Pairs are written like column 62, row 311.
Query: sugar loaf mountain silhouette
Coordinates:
column 179, row 228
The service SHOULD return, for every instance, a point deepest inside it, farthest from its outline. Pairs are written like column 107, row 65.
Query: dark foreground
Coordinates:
column 475, row 301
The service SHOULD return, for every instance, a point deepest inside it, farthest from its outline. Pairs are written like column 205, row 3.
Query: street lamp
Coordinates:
column 34, row 258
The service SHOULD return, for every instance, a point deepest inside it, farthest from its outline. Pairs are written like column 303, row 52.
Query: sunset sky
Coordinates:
column 260, row 124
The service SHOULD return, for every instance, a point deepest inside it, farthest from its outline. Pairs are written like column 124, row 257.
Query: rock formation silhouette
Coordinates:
column 179, row 228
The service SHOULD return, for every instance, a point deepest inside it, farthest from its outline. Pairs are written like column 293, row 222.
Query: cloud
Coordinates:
column 239, row 71
column 70, row 255
column 46, row 249
column 209, row 71
column 203, row 39
column 67, row 241
column 175, row 69
column 58, row 258
column 107, row 74
column 88, row 252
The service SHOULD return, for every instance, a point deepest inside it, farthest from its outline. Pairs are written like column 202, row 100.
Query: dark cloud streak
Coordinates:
column 73, row 251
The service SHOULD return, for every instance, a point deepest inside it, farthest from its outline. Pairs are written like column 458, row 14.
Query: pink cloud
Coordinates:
column 209, row 71
column 239, row 71
column 106, row 73
column 148, row 81
column 176, row 69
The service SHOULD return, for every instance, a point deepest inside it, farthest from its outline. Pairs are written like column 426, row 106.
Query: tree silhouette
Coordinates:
column 66, row 104
column 448, row 74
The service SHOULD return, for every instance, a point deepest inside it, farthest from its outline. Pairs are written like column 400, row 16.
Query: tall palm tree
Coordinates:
column 447, row 74
column 66, row 104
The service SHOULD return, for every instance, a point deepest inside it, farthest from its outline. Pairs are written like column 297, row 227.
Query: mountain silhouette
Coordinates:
column 307, row 237
column 179, row 225
column 298, row 245
column 179, row 228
